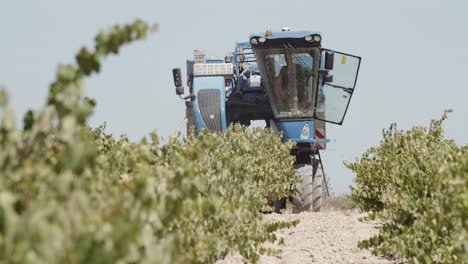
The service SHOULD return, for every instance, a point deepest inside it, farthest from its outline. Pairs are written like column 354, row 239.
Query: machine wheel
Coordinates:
column 309, row 194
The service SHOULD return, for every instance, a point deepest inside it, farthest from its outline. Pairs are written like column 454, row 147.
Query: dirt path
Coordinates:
column 324, row 237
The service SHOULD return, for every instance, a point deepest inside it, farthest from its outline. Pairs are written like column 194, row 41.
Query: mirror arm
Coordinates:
column 190, row 96
column 323, row 71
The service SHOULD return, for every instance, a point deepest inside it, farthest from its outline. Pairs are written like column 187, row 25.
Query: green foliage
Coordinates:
column 416, row 183
column 71, row 194
column 258, row 161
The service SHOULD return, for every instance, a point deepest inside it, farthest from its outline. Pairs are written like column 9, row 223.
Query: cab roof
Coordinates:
column 285, row 34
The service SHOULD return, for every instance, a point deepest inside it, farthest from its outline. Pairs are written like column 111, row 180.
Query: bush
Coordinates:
column 73, row 194
column 416, row 183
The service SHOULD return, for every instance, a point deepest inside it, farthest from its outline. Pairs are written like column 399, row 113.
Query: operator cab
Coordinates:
column 302, row 80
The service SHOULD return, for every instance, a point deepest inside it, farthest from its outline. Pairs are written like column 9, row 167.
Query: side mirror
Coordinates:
column 328, row 78
column 178, row 81
column 329, row 58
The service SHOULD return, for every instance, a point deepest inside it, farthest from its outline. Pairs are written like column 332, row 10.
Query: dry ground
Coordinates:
column 329, row 236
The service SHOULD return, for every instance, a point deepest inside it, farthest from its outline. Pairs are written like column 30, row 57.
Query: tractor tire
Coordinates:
column 308, row 195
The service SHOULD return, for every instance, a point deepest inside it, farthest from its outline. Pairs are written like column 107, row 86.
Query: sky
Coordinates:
column 414, row 60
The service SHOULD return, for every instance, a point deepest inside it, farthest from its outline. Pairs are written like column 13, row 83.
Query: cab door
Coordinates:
column 339, row 73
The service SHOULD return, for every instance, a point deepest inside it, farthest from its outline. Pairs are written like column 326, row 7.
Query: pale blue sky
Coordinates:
column 414, row 65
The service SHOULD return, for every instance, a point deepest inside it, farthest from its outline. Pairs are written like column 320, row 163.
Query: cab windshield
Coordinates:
column 289, row 76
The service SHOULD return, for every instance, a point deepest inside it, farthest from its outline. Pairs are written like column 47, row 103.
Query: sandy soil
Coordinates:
column 330, row 236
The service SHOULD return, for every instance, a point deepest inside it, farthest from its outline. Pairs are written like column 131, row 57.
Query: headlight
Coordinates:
column 254, row 41
column 317, row 38
column 262, row 40
column 308, row 38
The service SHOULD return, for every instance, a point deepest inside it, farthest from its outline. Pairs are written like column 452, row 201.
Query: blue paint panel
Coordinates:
column 242, row 45
column 208, row 83
column 215, row 61
column 292, row 131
